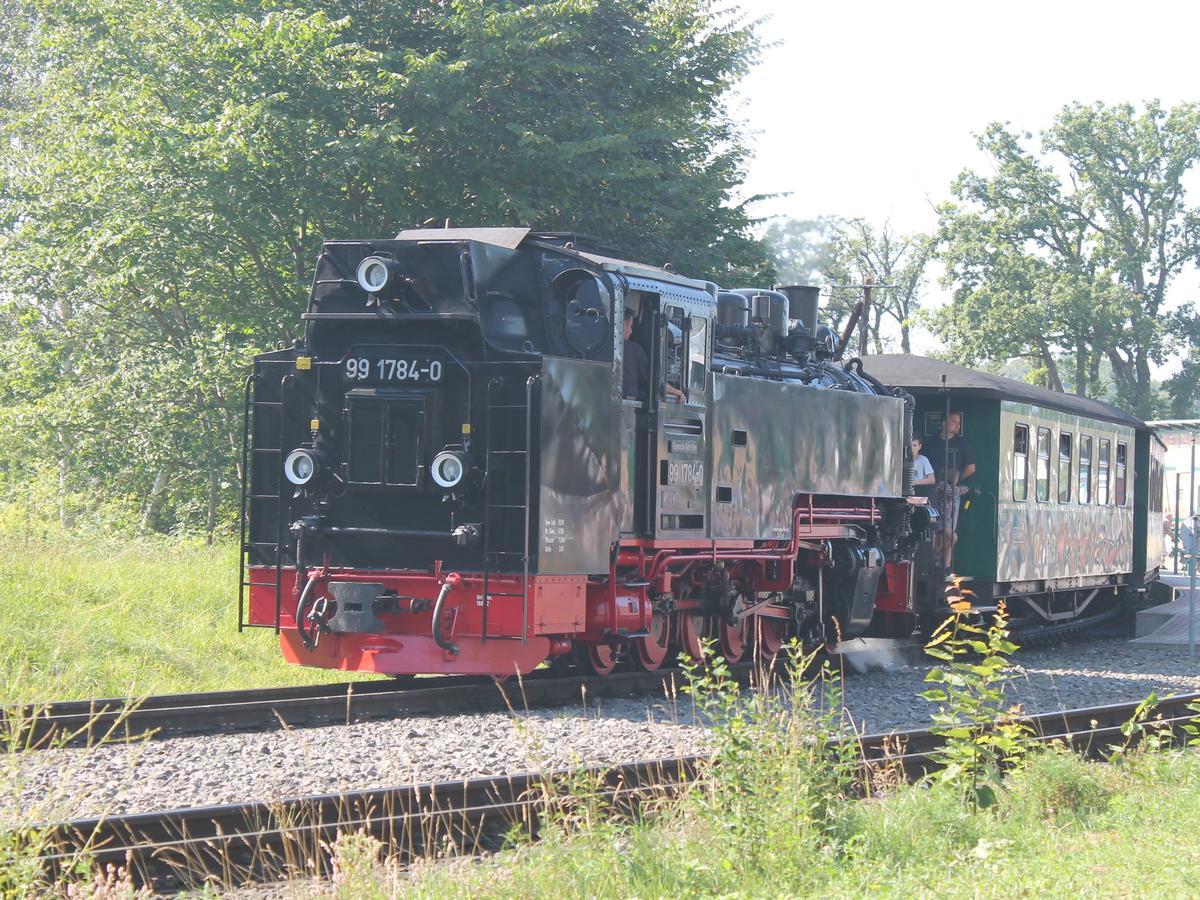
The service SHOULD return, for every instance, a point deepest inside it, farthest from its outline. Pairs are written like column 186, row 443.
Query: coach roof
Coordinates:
column 922, row 374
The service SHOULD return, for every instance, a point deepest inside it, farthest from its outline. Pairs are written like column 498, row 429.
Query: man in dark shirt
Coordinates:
column 952, row 461
column 635, row 374
column 948, row 451
column 635, row 377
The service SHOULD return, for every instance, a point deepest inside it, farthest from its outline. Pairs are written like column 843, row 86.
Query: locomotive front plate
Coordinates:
column 375, row 368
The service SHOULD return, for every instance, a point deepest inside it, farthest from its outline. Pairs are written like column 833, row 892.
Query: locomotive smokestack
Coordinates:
column 803, row 304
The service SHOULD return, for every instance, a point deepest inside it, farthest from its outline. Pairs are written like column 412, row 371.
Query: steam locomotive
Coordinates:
column 446, row 475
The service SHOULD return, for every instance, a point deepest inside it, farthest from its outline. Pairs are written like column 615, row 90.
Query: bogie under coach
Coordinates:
column 446, row 473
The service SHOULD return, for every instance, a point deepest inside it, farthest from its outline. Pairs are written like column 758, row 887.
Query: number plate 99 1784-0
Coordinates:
column 392, row 369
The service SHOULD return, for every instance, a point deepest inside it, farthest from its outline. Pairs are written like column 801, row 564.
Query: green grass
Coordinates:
column 85, row 616
column 784, row 813
column 1062, row 827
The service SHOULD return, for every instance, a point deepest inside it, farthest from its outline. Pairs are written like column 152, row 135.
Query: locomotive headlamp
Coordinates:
column 375, row 273
column 449, row 468
column 300, row 466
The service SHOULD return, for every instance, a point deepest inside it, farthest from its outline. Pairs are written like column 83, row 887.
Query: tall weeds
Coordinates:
column 972, row 717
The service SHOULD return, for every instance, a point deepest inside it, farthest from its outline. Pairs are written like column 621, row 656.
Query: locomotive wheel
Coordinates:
column 650, row 652
column 691, row 632
column 597, row 659
column 770, row 634
column 734, row 640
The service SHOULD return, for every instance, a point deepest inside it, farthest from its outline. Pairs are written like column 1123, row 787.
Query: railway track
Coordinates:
column 76, row 723
column 88, row 722
column 259, row 842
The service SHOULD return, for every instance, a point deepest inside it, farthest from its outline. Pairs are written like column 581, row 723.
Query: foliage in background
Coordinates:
column 801, row 250
column 841, row 254
column 170, row 168
column 862, row 251
column 1072, row 250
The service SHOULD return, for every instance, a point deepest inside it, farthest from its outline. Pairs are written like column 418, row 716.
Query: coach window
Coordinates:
column 1102, row 471
column 1043, row 465
column 1020, row 472
column 1064, row 466
column 1085, row 468
column 1119, row 487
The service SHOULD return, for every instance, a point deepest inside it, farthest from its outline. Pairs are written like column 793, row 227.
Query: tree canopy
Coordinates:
column 897, row 262
column 171, row 167
column 1071, row 249
column 841, row 254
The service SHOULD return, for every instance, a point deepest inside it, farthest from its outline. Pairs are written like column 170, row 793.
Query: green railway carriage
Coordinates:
column 1066, row 498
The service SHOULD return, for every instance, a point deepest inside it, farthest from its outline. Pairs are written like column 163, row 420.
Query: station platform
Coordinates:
column 1165, row 627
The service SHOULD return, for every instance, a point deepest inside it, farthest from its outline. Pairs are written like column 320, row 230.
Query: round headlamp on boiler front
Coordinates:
column 301, row 466
column 375, row 273
column 449, row 468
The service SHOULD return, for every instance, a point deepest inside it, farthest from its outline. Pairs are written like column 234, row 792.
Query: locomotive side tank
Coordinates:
column 449, row 474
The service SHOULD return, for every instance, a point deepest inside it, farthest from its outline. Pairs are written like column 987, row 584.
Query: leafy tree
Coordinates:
column 800, row 249
column 171, row 168
column 860, row 251
column 1073, row 249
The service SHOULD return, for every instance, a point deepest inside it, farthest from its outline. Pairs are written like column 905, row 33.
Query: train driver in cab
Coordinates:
column 635, row 379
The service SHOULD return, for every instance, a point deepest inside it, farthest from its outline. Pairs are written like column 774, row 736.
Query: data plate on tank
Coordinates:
column 772, row 441
column 579, row 468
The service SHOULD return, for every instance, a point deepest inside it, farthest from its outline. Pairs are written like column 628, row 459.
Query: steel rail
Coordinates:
column 292, row 838
column 88, row 722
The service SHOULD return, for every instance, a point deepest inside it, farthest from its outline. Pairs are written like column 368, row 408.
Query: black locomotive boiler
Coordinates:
column 445, row 474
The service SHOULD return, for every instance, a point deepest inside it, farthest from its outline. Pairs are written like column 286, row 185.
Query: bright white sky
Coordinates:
column 866, row 108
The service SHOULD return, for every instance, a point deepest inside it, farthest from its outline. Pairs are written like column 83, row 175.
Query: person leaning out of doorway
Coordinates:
column 952, row 461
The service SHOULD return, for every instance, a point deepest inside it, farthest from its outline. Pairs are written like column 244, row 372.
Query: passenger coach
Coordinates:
column 1063, row 492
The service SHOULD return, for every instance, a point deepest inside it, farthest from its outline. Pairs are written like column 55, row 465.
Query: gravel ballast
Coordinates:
column 234, row 768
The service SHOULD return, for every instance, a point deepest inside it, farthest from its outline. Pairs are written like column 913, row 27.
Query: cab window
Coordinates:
column 697, row 354
column 675, row 328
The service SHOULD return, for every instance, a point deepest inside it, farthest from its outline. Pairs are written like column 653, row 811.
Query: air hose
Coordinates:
column 452, row 581
column 309, row 640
